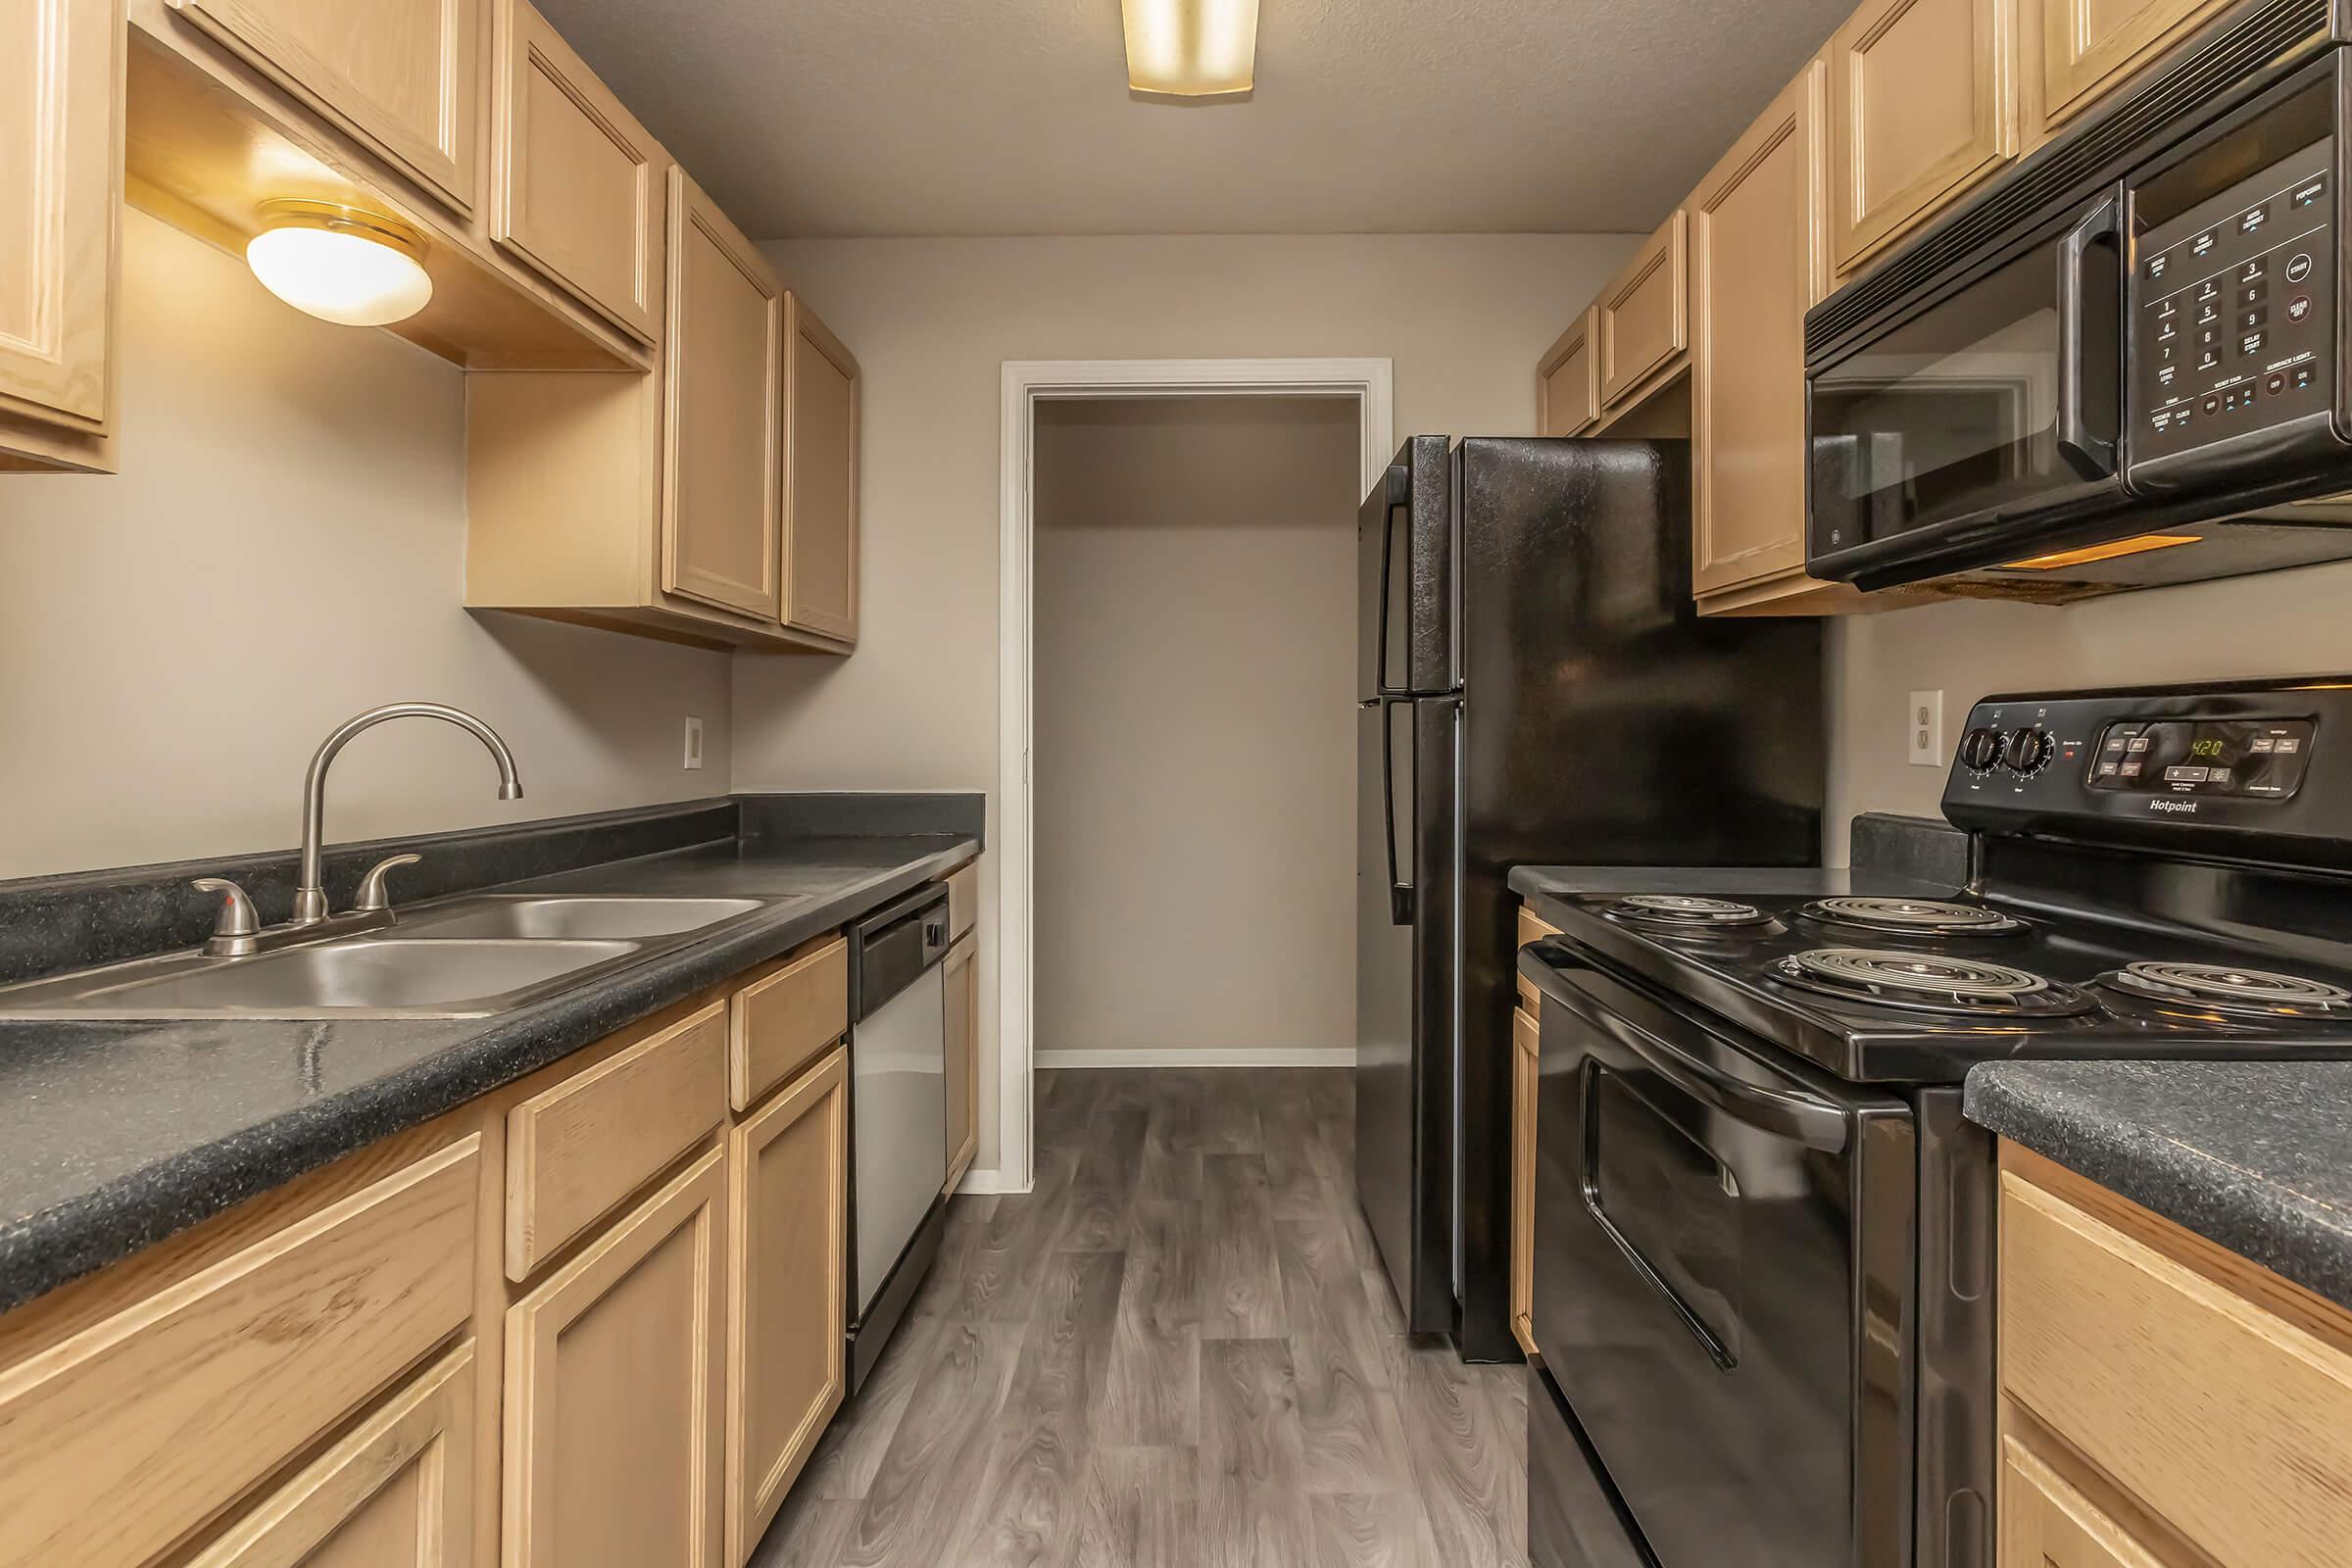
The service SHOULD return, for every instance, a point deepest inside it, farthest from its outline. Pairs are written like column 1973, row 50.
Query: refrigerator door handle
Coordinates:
column 1400, row 893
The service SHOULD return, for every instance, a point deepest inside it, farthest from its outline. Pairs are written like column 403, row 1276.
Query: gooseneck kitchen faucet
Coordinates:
column 310, row 895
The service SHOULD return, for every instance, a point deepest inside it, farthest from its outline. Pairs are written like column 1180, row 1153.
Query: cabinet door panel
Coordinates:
column 1567, row 389
column 788, row 1267
column 2090, row 47
column 613, row 1393
column 1757, row 264
column 61, row 163
column 1922, row 97
column 1525, row 1055
column 961, row 977
column 399, row 74
column 820, row 485
column 2044, row 1523
column 722, row 437
column 579, row 187
column 1643, row 319
column 397, row 1492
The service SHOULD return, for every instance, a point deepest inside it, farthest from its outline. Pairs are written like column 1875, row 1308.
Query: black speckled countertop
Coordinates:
column 116, row 1135
column 2254, row 1155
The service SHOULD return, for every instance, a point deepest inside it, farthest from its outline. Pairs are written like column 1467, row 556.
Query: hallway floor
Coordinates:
column 1177, row 1351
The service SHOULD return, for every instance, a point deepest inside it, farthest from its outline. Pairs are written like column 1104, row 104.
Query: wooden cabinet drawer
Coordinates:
column 1567, row 381
column 578, row 182
column 1643, row 319
column 396, row 1493
column 116, row 1441
column 398, row 74
column 963, row 899
column 1532, row 928
column 576, row 1150
column 780, row 1023
column 2229, row 1422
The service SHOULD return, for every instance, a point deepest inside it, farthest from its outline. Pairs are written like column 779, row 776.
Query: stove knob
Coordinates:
column 2028, row 752
column 1981, row 750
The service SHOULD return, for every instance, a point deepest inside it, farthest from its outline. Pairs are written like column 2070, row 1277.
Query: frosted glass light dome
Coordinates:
column 339, row 264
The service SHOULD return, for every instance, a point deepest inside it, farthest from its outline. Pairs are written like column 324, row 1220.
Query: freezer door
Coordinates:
column 1404, row 999
column 1405, row 577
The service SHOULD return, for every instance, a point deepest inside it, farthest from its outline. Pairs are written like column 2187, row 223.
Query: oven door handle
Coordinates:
column 2088, row 453
column 1797, row 1114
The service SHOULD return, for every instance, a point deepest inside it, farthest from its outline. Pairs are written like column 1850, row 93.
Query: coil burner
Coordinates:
column 1925, row 981
column 2250, row 993
column 1682, row 911
column 1927, row 918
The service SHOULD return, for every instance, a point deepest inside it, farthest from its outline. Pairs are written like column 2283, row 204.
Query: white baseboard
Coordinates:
column 979, row 1182
column 1205, row 1057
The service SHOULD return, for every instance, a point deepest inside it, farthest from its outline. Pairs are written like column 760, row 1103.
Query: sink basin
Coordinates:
column 541, row 918
column 364, row 976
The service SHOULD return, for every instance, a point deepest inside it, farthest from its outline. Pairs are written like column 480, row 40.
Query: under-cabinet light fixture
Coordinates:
column 1191, row 48
column 340, row 264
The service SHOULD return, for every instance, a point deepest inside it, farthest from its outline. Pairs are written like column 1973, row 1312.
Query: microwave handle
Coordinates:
column 2090, row 455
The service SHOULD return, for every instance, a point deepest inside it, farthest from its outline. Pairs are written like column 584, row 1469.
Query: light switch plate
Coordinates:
column 694, row 744
column 1927, row 729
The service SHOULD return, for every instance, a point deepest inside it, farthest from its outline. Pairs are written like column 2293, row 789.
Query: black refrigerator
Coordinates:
column 1535, row 686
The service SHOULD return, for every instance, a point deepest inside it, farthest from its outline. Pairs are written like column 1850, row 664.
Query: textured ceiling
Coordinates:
column 1012, row 116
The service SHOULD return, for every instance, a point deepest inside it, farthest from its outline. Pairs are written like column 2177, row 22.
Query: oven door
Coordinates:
column 1723, row 1280
column 1981, row 408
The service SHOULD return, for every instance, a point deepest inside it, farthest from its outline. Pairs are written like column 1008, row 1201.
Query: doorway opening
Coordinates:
column 1131, row 559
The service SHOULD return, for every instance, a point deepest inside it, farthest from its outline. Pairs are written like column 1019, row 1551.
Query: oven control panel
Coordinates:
column 2237, row 768
column 2233, row 310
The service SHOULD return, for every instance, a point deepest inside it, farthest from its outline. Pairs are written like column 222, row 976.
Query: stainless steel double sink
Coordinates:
column 471, row 957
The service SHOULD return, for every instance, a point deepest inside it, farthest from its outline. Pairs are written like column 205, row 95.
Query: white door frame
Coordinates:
column 1028, row 382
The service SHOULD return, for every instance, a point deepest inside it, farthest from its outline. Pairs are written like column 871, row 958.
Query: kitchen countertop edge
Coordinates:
column 70, row 1240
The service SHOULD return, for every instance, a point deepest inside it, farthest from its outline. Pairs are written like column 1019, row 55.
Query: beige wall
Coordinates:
column 932, row 323
column 1195, row 741
column 2283, row 623
column 283, row 546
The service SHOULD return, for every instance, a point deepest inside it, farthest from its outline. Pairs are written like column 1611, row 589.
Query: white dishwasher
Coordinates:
column 897, row 1114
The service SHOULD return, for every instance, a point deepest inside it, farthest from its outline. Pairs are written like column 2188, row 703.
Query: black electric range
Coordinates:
column 1763, row 1292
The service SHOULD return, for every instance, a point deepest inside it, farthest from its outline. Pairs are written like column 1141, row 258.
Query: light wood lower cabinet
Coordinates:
column 1525, row 1070
column 788, row 1291
column 396, row 1493
column 1921, row 101
column 2164, row 1401
column 60, row 194
column 961, row 977
column 398, row 74
column 615, row 1392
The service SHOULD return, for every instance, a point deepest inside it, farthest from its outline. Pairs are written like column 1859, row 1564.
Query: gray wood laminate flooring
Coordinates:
column 1177, row 1351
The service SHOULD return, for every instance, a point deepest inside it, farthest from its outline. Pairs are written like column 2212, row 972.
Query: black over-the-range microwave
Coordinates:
column 2123, row 363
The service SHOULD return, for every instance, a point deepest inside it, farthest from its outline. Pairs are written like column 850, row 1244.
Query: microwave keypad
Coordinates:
column 2231, row 318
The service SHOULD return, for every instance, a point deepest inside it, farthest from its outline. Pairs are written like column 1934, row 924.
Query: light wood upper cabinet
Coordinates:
column 961, row 977
column 1758, row 262
column 61, row 185
column 722, row 426
column 615, row 1391
column 1922, row 107
column 1641, row 321
column 820, row 477
column 396, row 1493
column 1568, row 382
column 2072, row 53
column 788, row 1291
column 1526, row 1072
column 578, row 187
column 398, row 74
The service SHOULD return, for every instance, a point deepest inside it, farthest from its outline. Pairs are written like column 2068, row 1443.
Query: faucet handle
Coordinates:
column 233, row 929
column 373, row 898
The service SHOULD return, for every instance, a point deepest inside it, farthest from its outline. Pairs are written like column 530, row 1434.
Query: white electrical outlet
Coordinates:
column 1927, row 729
column 694, row 744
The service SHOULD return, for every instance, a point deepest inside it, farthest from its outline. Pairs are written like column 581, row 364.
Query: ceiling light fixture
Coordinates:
column 1191, row 48
column 340, row 264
